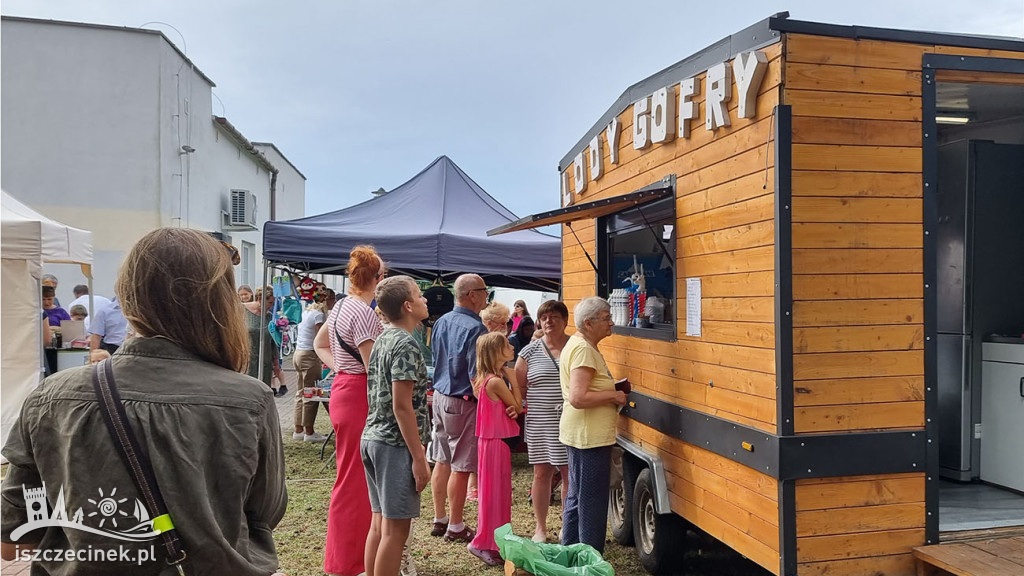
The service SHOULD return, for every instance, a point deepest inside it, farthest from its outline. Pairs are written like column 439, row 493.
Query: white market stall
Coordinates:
column 27, row 240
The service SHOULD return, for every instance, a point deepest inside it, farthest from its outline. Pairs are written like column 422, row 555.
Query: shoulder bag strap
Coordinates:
column 550, row 355
column 135, row 460
column 341, row 341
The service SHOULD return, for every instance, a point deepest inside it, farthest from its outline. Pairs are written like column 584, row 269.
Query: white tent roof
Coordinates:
column 29, row 235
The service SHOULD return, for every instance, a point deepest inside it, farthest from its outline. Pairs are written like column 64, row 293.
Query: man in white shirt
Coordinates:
column 82, row 298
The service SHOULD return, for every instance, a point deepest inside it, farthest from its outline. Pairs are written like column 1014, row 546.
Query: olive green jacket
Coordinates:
column 215, row 443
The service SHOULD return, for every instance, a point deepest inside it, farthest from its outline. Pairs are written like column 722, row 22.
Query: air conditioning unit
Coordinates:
column 243, row 208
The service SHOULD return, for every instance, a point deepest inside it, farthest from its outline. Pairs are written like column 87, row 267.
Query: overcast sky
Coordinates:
column 363, row 94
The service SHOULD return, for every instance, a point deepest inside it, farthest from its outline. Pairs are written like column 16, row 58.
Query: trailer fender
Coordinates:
column 657, row 474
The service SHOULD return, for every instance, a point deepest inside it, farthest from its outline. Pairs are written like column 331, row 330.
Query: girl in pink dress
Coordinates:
column 499, row 406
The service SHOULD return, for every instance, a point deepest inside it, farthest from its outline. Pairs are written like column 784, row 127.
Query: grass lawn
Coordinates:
column 300, row 536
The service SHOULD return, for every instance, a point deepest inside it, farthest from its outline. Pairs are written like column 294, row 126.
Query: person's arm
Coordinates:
column 47, row 333
column 267, row 497
column 521, row 368
column 401, row 403
column 581, row 396
column 516, row 390
column 322, row 346
column 94, row 341
column 496, row 389
column 22, row 471
column 364, row 353
column 470, row 349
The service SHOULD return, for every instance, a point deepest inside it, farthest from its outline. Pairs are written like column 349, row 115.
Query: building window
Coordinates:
column 248, row 262
column 640, row 238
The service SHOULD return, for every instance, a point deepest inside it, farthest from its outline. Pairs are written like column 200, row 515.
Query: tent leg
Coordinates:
column 263, row 322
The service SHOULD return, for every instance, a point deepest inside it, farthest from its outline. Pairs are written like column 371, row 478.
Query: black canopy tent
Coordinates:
column 434, row 226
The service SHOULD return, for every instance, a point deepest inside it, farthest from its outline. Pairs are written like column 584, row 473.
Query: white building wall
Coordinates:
column 94, row 121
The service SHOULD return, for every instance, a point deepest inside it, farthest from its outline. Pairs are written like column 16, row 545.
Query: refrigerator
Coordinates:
column 980, row 284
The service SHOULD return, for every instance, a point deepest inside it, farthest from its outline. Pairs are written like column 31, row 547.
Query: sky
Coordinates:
column 362, row 94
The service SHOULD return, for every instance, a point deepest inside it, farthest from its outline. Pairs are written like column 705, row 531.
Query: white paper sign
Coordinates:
column 693, row 307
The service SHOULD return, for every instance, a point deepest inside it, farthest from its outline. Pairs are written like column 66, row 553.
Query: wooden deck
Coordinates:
column 991, row 557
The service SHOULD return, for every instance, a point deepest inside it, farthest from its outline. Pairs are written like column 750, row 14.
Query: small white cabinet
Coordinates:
column 1002, row 414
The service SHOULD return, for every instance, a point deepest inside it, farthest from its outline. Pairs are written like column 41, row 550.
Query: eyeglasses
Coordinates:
column 236, row 259
column 478, row 289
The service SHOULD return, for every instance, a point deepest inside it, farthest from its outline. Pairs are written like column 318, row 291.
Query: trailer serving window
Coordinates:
column 639, row 241
column 634, row 231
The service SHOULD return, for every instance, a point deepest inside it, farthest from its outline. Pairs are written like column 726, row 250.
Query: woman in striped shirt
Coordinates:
column 343, row 344
column 537, row 369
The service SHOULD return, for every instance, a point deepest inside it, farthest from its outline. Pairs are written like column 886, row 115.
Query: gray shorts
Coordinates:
column 453, row 439
column 389, row 480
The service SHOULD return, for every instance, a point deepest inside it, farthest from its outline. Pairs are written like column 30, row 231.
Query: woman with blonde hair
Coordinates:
column 179, row 385
column 495, row 317
column 343, row 343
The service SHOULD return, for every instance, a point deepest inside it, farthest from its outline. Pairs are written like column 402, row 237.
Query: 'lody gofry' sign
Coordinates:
column 657, row 118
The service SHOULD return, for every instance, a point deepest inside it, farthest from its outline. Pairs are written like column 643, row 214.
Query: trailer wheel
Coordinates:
column 660, row 538
column 620, row 510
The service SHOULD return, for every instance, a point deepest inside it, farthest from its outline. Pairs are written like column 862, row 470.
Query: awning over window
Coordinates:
column 587, row 210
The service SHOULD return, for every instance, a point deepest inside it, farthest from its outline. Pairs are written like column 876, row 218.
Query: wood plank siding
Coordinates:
column 725, row 235
column 858, row 310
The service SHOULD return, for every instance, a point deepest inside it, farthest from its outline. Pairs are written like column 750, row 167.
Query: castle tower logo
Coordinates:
column 107, row 511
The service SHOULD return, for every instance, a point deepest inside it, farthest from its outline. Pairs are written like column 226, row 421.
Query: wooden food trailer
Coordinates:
column 829, row 222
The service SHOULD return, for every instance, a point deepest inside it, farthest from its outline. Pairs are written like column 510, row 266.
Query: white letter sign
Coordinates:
column 595, row 156
column 579, row 173
column 611, row 134
column 687, row 108
column 566, row 194
column 750, row 69
column 663, row 115
column 641, row 123
column 717, row 92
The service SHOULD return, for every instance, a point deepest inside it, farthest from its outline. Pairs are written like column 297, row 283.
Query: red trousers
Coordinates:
column 349, row 516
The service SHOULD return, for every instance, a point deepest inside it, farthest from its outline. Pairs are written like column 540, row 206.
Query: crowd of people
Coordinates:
column 179, row 378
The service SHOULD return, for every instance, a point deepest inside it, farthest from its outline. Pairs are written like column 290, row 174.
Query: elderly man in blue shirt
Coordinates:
column 453, row 444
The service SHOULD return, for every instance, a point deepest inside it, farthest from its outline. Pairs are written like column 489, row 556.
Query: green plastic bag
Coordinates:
column 542, row 559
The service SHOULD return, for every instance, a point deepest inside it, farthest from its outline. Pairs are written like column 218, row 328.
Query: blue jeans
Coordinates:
column 585, row 510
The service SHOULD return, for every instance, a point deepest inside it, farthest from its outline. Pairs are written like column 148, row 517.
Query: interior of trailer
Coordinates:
column 980, row 303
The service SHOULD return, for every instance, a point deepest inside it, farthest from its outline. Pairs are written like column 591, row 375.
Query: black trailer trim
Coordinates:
column 787, row 528
column 784, row 386
column 784, row 270
column 790, row 457
column 931, row 63
column 930, row 220
column 786, row 25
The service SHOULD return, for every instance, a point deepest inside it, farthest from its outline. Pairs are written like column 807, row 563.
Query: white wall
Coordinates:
column 291, row 184
column 94, row 121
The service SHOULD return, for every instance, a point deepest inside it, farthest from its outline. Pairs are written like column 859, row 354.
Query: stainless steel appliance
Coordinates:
column 980, row 283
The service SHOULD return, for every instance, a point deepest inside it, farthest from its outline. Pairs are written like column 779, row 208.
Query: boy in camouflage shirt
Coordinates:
column 397, row 426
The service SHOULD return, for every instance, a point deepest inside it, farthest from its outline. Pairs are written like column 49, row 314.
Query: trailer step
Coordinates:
column 990, row 557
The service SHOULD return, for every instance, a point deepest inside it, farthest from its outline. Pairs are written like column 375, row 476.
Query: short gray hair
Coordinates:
column 49, row 277
column 588, row 309
column 466, row 283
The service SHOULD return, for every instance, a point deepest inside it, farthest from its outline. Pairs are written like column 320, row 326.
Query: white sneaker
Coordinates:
column 408, row 566
column 298, row 435
column 315, row 437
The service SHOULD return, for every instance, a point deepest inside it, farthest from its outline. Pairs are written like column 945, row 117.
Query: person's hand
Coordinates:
column 420, row 472
column 98, row 355
column 512, row 412
column 620, row 398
